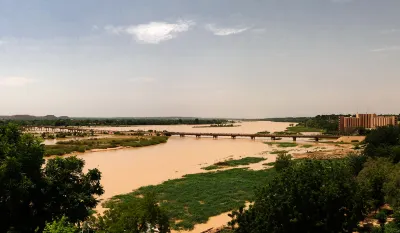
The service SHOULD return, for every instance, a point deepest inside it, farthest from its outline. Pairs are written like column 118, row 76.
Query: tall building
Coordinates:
column 368, row 121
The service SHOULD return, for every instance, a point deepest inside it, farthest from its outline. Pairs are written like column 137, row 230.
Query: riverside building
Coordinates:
column 367, row 121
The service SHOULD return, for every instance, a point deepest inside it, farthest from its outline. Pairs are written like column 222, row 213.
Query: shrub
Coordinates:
column 283, row 161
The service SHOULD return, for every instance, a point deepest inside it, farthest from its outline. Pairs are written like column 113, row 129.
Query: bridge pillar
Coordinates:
column 198, row 136
column 233, row 137
column 272, row 138
column 316, row 139
column 294, row 139
column 215, row 136
column 182, row 135
column 253, row 138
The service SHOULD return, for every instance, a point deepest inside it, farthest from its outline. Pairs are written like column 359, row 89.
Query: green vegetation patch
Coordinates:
column 299, row 129
column 269, row 164
column 276, row 152
column 264, row 132
column 282, row 144
column 306, row 146
column 197, row 197
column 234, row 163
column 66, row 147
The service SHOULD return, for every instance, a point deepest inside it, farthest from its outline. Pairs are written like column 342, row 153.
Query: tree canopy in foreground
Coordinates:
column 32, row 194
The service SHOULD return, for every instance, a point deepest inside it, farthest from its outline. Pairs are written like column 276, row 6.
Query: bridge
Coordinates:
column 252, row 136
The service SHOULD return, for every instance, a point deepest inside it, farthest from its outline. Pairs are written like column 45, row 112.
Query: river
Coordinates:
column 127, row 169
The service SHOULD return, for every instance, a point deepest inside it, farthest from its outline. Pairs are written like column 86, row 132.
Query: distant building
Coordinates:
column 367, row 121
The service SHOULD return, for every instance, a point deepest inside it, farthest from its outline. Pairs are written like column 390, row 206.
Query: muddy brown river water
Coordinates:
column 127, row 169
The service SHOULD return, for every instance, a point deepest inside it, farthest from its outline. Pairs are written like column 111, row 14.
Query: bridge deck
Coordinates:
column 251, row 135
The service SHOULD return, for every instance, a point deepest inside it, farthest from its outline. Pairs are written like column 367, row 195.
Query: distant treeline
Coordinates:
column 328, row 123
column 117, row 121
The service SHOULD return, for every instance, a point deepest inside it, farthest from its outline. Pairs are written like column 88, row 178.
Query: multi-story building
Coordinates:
column 368, row 121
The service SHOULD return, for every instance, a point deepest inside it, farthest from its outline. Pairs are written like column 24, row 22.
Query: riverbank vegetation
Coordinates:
column 67, row 147
column 195, row 198
column 234, row 163
column 282, row 144
column 46, row 135
column 216, row 126
column 115, row 121
column 264, row 132
column 326, row 123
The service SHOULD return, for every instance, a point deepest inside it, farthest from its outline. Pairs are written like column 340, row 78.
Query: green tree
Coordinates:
column 60, row 226
column 372, row 179
column 283, row 161
column 69, row 191
column 31, row 193
column 135, row 215
column 309, row 196
column 384, row 142
column 391, row 188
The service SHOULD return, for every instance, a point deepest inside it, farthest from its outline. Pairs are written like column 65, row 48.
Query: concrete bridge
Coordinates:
column 252, row 136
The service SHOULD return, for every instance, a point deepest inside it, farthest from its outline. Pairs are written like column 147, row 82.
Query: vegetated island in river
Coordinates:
column 67, row 147
column 216, row 126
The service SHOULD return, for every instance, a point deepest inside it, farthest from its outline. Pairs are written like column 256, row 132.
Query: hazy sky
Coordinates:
column 206, row 58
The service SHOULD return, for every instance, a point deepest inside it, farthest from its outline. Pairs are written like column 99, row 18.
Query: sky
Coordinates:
column 199, row 58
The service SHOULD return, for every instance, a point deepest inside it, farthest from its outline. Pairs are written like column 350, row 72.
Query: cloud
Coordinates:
column 390, row 31
column 142, row 80
column 15, row 81
column 259, row 30
column 2, row 42
column 153, row 32
column 225, row 31
column 341, row 1
column 386, row 49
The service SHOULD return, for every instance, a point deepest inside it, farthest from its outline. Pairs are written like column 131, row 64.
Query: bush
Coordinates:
column 60, row 226
column 283, row 161
column 310, row 196
column 356, row 163
column 135, row 215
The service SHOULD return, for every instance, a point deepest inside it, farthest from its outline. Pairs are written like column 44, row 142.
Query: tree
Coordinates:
column 283, row 161
column 69, row 191
column 31, row 194
column 60, row 226
column 384, row 142
column 135, row 215
column 310, row 196
column 391, row 188
column 372, row 179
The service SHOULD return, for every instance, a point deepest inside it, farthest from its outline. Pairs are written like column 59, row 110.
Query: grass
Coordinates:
column 66, row 147
column 334, row 142
column 197, row 197
column 234, row 163
column 299, row 129
column 276, row 152
column 306, row 146
column 282, row 144
column 263, row 132
column 269, row 164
